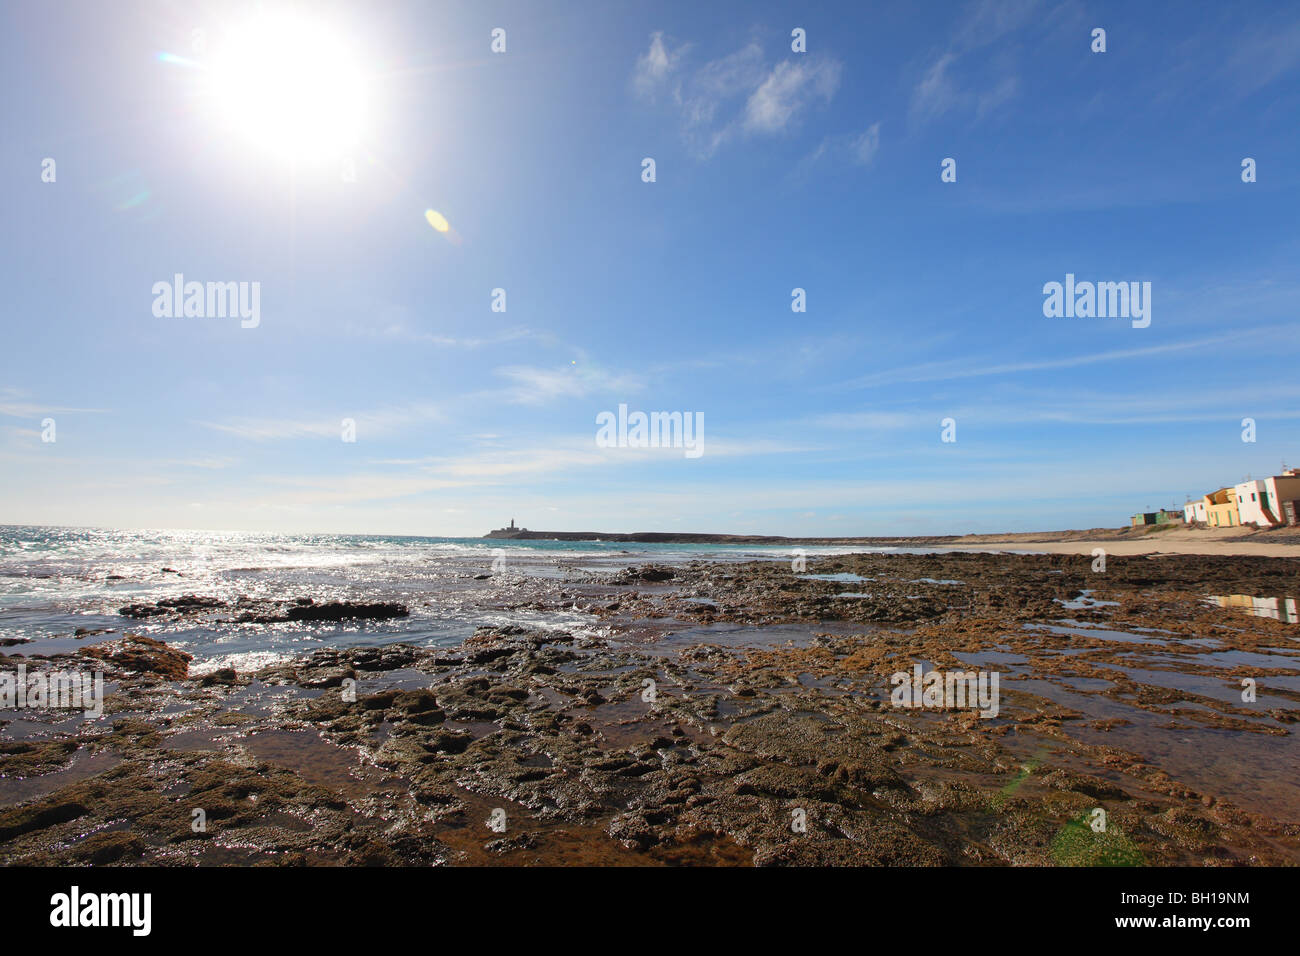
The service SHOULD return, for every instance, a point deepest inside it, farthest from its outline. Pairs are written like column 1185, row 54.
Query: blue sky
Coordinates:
column 774, row 170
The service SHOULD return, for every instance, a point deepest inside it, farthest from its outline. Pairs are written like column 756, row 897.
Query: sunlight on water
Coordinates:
column 56, row 580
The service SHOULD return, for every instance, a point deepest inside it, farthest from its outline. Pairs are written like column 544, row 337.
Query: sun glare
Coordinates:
column 289, row 85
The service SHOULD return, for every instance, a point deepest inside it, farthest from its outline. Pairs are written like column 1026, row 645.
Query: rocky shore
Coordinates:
column 729, row 714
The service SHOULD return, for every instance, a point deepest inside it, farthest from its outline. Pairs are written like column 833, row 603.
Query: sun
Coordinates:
column 290, row 85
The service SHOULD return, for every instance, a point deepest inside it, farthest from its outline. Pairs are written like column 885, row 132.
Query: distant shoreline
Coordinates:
column 1276, row 542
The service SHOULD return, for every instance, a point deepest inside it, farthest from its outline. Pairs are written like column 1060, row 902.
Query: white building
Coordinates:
column 1256, row 505
column 1260, row 502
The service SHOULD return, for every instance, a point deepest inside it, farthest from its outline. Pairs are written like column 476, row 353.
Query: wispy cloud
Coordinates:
column 657, row 65
column 1266, row 53
column 368, row 423
column 871, row 420
column 786, row 90
column 955, row 81
column 854, row 149
column 865, row 145
column 935, row 94
column 563, row 454
column 531, row 385
column 206, row 462
column 16, row 403
column 349, row 489
column 734, row 96
column 400, row 324
column 961, row 368
column 403, row 334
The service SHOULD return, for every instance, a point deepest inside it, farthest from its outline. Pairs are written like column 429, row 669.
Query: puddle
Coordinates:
column 983, row 658
column 1225, row 689
column 1099, row 633
column 313, row 758
column 1084, row 601
column 1084, row 683
column 1278, row 608
column 27, row 725
column 83, row 765
column 198, row 739
column 1243, row 661
column 258, row 698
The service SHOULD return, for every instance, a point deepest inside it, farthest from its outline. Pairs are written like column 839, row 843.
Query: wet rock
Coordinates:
column 507, row 844
column 266, row 612
column 347, row 610
column 651, row 573
column 83, row 632
column 180, row 606
column 225, row 677
column 141, row 655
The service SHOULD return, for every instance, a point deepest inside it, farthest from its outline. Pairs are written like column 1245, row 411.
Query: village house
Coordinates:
column 1163, row 516
column 1197, row 510
column 1221, row 509
column 1254, row 505
column 1263, row 501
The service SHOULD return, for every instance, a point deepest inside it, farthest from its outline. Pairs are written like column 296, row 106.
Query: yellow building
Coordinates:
column 1221, row 509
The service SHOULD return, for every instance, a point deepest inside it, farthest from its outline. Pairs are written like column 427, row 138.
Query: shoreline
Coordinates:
column 1161, row 545
column 1143, row 540
column 1274, row 542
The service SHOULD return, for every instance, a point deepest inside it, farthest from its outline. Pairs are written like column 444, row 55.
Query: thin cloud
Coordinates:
column 948, row 371
column 954, row 81
column 845, row 150
column 399, row 331
column 537, row 386
column 789, row 88
column 1263, row 56
column 368, row 424
column 13, row 405
column 865, row 146
column 573, row 454
column 865, row 420
column 735, row 96
column 656, row 65
column 935, row 94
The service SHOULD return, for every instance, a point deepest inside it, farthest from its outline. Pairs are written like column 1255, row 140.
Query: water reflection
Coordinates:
column 1278, row 608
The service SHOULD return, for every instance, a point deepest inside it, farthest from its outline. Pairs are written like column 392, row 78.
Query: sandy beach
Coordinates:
column 1281, row 543
column 1169, row 539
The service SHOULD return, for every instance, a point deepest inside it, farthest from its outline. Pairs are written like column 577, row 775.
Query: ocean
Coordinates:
column 56, row 580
